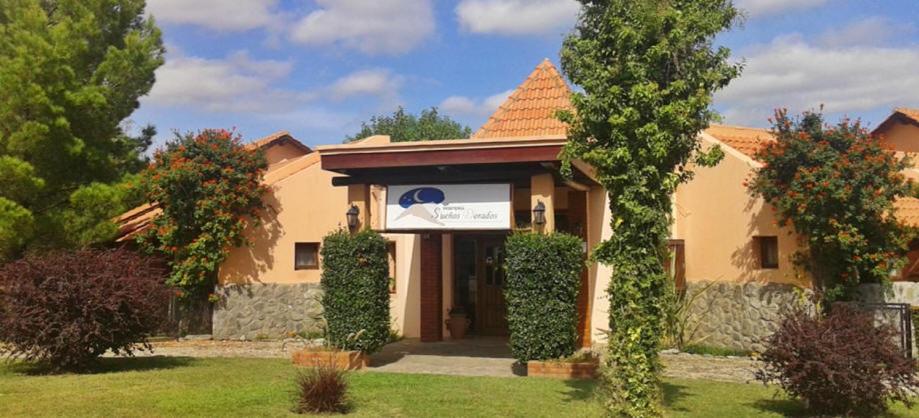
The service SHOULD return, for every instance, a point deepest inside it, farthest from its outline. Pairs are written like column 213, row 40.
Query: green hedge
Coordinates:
column 543, row 281
column 355, row 282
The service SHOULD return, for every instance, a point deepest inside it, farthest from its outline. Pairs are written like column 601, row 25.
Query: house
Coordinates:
column 446, row 207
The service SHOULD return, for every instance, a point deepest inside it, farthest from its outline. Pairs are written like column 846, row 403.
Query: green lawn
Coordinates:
column 261, row 387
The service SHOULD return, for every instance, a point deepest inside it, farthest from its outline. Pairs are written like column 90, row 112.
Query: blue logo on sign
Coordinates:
column 421, row 195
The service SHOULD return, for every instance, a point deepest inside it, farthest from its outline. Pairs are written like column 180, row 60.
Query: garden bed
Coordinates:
column 583, row 366
column 348, row 360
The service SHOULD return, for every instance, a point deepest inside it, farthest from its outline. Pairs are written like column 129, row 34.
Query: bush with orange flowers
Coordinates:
column 836, row 187
column 209, row 188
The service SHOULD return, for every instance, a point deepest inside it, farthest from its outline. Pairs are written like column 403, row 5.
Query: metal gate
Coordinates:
column 898, row 316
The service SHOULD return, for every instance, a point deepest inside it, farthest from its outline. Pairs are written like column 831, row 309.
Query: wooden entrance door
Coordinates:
column 492, row 313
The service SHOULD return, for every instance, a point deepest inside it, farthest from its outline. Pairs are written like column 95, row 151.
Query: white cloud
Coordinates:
column 459, row 105
column 378, row 83
column 871, row 31
column 465, row 106
column 517, row 17
column 800, row 76
column 236, row 83
column 220, row 15
column 312, row 119
column 756, row 8
column 373, row 27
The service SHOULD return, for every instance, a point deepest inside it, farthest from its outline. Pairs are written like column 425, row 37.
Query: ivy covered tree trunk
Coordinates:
column 648, row 71
column 637, row 291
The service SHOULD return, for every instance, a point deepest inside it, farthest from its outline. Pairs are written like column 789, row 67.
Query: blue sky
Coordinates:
column 318, row 68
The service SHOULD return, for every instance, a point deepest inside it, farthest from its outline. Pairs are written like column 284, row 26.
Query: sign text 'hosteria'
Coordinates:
column 448, row 206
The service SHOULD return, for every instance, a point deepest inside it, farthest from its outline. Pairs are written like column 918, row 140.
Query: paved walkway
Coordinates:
column 470, row 357
column 691, row 366
column 210, row 348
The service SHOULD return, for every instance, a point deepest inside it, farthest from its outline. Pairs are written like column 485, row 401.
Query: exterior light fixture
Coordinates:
column 353, row 214
column 539, row 214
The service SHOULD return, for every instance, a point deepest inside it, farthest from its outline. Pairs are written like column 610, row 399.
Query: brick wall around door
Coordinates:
column 431, row 288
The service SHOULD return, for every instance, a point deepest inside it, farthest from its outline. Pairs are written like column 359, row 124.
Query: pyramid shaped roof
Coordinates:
column 531, row 109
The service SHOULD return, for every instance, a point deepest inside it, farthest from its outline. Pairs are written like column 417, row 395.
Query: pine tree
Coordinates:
column 71, row 71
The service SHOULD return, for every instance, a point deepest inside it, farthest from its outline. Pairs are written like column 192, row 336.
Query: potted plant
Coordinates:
column 458, row 323
column 328, row 355
column 581, row 365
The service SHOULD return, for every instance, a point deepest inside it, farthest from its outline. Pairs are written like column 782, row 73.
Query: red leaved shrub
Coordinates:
column 839, row 363
column 321, row 389
column 66, row 309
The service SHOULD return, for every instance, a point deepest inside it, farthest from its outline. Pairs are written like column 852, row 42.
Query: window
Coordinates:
column 768, row 249
column 391, row 251
column 306, row 255
column 522, row 219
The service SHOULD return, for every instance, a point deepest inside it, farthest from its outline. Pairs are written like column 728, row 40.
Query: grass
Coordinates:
column 164, row 386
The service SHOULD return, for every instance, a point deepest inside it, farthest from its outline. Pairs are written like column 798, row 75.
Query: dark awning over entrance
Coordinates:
column 456, row 161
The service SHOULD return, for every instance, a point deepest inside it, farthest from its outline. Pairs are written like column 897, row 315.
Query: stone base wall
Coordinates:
column 740, row 315
column 900, row 292
column 270, row 311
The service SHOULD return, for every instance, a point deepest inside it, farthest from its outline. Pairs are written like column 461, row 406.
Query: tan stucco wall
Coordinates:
column 304, row 207
column 901, row 137
column 301, row 208
column 713, row 213
column 598, row 229
column 279, row 155
column 718, row 219
column 405, row 311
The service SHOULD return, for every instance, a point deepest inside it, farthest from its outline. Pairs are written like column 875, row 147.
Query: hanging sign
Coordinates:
column 448, row 207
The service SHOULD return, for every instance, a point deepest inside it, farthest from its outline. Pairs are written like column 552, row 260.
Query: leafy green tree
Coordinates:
column 648, row 71
column 403, row 127
column 209, row 188
column 70, row 72
column 836, row 186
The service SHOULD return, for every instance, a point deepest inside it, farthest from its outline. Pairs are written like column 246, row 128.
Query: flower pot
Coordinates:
column 347, row 360
column 458, row 324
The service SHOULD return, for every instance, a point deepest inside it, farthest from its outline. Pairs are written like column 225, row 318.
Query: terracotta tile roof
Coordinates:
column 746, row 140
column 137, row 219
column 530, row 110
column 277, row 138
column 750, row 140
column 906, row 210
column 912, row 114
column 899, row 115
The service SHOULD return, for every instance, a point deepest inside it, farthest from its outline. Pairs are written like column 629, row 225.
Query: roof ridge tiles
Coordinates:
column 530, row 110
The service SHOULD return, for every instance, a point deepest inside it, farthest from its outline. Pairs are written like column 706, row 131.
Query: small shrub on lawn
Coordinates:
column 67, row 308
column 321, row 389
column 355, row 284
column 839, row 363
column 543, row 281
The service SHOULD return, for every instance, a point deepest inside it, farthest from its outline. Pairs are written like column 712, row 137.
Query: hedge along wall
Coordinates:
column 543, row 281
column 355, row 284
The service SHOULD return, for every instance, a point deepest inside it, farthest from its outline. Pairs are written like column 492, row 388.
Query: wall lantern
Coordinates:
column 353, row 215
column 539, row 214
